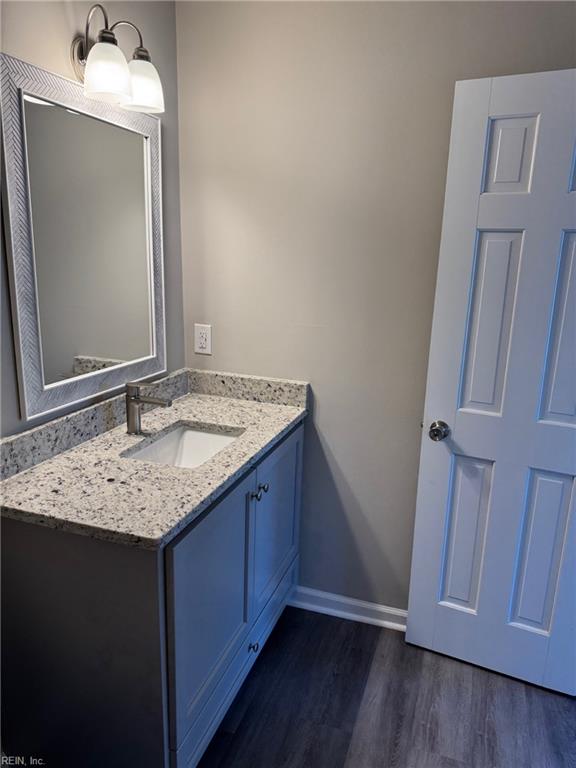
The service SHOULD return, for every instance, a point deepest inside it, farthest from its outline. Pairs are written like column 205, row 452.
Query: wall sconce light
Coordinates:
column 106, row 74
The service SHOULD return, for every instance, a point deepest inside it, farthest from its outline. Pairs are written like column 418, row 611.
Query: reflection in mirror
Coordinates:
column 88, row 181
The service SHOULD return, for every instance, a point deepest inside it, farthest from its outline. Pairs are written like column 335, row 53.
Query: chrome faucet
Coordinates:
column 134, row 401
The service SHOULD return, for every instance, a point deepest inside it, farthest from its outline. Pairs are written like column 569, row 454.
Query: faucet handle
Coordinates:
column 134, row 400
column 132, row 388
column 133, row 392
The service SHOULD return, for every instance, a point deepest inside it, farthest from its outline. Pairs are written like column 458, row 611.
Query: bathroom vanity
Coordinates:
column 141, row 573
column 138, row 594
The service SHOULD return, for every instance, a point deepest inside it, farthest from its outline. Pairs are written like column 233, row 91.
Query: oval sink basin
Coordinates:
column 184, row 447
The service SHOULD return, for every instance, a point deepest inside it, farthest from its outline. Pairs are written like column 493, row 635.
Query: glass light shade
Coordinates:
column 107, row 77
column 147, row 94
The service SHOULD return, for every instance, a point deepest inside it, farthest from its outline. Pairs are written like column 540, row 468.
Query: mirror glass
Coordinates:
column 88, row 182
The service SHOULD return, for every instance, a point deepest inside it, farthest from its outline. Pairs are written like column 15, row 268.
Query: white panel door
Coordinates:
column 494, row 559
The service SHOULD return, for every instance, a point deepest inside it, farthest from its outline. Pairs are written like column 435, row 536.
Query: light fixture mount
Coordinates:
column 141, row 54
column 81, row 43
column 135, row 86
column 107, row 36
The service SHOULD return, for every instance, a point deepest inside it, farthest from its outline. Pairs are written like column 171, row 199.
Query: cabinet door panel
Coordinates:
column 208, row 609
column 198, row 738
column 275, row 518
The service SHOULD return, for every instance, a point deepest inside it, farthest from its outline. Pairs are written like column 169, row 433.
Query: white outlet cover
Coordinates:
column 202, row 339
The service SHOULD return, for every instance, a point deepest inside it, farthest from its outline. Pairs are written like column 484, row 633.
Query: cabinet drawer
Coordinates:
column 211, row 716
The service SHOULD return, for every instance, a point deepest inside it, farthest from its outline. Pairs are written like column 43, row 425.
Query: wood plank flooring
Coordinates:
column 329, row 693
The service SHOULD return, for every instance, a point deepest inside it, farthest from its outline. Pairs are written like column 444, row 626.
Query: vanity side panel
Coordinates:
column 81, row 619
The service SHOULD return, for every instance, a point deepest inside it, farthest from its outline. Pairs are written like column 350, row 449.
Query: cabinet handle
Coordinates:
column 257, row 495
column 254, row 647
column 264, row 487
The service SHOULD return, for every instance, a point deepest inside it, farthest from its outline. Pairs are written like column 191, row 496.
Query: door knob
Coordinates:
column 439, row 430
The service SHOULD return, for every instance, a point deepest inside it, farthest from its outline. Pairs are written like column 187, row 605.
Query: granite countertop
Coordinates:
column 94, row 490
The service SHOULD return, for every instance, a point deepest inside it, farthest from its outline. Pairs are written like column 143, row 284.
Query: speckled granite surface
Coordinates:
column 20, row 452
column 25, row 450
column 261, row 389
column 85, row 364
column 94, row 490
column 76, row 473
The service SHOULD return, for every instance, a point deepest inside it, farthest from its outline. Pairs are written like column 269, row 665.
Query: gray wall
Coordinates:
column 41, row 33
column 313, row 149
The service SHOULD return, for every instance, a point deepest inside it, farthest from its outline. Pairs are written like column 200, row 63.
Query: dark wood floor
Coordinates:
column 329, row 693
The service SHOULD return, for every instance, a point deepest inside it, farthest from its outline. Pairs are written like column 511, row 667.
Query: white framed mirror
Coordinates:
column 83, row 224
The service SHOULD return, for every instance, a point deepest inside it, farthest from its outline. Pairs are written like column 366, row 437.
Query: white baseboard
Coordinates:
column 349, row 608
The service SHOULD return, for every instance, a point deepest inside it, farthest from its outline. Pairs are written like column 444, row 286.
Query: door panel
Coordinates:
column 488, row 336
column 559, row 403
column 467, row 519
column 542, row 541
column 494, row 536
column 208, row 604
column 275, row 518
column 510, row 157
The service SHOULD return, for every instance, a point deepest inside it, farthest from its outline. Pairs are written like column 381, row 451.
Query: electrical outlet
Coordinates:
column 202, row 339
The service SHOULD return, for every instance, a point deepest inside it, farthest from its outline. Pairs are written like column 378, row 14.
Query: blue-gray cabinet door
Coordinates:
column 207, row 604
column 275, row 515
